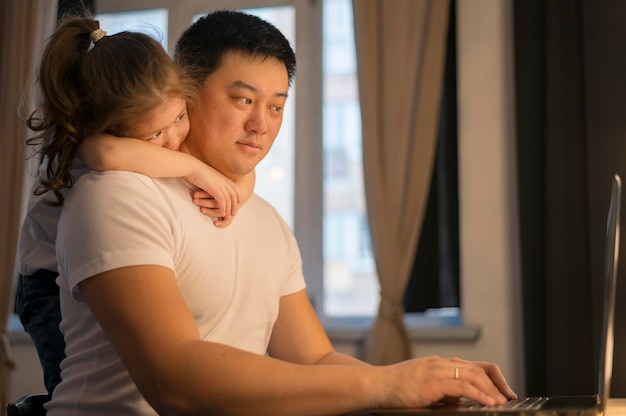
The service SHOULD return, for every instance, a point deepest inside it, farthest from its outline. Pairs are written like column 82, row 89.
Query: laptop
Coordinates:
column 562, row 405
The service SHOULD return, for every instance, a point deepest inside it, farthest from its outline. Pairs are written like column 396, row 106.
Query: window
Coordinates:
column 350, row 283
column 313, row 175
column 345, row 284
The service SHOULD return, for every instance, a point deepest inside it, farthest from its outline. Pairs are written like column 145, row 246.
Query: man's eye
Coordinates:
column 245, row 100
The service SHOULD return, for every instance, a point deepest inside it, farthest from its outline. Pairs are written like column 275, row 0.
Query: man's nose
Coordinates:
column 257, row 122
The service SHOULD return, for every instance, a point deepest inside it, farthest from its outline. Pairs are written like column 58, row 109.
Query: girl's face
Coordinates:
column 167, row 126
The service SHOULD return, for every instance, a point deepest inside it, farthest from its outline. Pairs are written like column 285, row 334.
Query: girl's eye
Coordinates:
column 180, row 118
column 155, row 136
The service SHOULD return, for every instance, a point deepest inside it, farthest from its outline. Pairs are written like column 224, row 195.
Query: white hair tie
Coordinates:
column 97, row 34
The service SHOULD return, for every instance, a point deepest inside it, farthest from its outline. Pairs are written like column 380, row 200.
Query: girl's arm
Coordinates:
column 107, row 152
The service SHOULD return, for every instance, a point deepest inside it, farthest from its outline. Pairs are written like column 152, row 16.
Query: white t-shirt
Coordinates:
column 39, row 229
column 232, row 278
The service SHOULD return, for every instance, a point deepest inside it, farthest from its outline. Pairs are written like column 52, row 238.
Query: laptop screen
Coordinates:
column 610, row 272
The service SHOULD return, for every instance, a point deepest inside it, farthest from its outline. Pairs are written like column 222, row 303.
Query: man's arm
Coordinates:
column 147, row 320
column 299, row 337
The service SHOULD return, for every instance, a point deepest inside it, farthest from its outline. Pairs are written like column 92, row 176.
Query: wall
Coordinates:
column 489, row 262
column 489, row 237
column 27, row 377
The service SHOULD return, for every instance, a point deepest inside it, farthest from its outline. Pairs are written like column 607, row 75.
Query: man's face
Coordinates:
column 238, row 114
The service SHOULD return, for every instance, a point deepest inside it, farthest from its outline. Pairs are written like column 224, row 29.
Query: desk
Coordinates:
column 616, row 407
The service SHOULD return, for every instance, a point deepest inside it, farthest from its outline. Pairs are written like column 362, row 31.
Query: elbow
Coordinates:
column 173, row 404
column 107, row 158
column 104, row 161
column 170, row 406
column 167, row 399
column 179, row 399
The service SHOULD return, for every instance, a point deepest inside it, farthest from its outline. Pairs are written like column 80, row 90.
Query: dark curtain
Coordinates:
column 434, row 281
column 570, row 70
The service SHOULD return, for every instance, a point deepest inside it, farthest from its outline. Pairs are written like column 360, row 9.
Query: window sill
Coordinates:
column 464, row 333
column 422, row 327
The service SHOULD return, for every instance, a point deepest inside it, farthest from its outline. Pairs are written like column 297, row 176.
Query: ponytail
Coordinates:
column 59, row 117
column 92, row 83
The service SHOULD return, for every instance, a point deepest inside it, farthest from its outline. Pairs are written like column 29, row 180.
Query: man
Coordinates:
column 163, row 311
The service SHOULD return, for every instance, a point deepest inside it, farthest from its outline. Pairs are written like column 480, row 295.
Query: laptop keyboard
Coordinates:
column 525, row 403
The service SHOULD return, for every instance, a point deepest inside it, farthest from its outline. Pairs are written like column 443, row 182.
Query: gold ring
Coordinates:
column 456, row 373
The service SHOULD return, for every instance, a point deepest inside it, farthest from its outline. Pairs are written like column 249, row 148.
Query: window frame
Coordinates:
column 308, row 183
column 308, row 207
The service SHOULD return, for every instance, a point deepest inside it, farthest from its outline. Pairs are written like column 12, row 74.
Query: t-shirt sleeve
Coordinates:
column 294, row 277
column 111, row 220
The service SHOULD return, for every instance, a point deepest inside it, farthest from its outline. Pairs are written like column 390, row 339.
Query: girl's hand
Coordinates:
column 218, row 196
column 210, row 207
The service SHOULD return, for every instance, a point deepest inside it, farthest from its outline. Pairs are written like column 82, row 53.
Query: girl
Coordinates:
column 120, row 85
column 93, row 89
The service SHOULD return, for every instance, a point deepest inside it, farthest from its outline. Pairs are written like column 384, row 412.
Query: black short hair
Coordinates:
column 201, row 47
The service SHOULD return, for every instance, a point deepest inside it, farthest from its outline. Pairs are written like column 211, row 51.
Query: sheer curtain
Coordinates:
column 24, row 26
column 401, row 57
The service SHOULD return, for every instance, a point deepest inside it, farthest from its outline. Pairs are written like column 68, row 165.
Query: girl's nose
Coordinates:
column 172, row 143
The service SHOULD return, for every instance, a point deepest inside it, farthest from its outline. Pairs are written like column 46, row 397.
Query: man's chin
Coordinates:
column 236, row 173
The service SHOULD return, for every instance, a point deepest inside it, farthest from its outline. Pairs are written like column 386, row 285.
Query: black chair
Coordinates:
column 31, row 405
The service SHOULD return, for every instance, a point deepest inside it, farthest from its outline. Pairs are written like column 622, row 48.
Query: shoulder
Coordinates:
column 114, row 194
column 265, row 211
column 122, row 179
column 260, row 215
column 119, row 185
column 261, row 205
